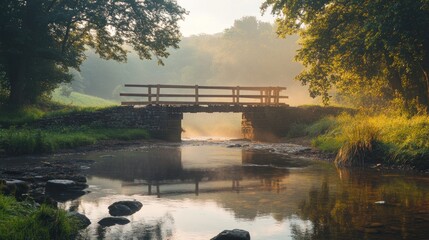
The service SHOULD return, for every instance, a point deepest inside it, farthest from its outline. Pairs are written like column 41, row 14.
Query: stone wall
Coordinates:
column 162, row 123
column 258, row 123
column 272, row 123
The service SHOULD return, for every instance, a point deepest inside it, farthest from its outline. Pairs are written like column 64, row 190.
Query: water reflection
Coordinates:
column 366, row 205
column 163, row 172
column 194, row 192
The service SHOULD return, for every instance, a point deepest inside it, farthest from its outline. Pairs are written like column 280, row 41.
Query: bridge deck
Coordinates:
column 209, row 96
column 213, row 108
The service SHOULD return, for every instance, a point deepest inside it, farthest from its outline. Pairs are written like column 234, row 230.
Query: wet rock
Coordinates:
column 13, row 172
column 234, row 145
column 124, row 208
column 110, row 221
column 41, row 198
column 62, row 190
column 83, row 221
column 66, row 196
column 380, row 202
column 235, row 234
column 57, row 185
column 15, row 187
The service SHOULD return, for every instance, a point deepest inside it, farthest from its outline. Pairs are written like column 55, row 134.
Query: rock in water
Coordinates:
column 83, row 221
column 124, row 208
column 57, row 185
column 63, row 189
column 235, row 234
column 110, row 221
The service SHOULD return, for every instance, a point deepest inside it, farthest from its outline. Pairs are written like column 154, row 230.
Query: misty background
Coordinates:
column 246, row 54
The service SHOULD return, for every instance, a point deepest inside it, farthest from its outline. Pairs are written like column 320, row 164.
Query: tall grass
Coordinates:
column 390, row 139
column 26, row 141
column 23, row 221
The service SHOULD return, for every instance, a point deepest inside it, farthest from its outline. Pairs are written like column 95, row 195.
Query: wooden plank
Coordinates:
column 193, row 95
column 192, row 103
column 202, row 87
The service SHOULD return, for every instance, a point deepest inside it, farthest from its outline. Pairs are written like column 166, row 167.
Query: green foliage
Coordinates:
column 18, row 116
column 23, row 221
column 41, row 39
column 369, row 51
column 321, row 127
column 26, row 141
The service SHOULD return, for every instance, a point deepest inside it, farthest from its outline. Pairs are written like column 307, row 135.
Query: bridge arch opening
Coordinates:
column 211, row 126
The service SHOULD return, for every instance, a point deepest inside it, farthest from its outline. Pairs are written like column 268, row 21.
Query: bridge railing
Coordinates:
column 161, row 94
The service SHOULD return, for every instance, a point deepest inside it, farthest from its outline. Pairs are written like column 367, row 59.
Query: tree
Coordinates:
column 377, row 47
column 41, row 39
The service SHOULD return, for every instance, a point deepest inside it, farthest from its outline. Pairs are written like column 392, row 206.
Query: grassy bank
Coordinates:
column 363, row 139
column 15, row 141
column 81, row 100
column 21, row 220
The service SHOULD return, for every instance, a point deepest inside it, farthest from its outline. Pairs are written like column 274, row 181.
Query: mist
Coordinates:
column 211, row 125
column 246, row 54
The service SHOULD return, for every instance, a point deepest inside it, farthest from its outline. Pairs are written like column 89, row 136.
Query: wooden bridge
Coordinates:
column 210, row 96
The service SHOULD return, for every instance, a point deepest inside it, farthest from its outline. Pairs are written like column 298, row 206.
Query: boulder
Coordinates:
column 59, row 185
column 83, row 221
column 110, row 221
column 124, row 208
column 15, row 187
column 63, row 190
column 235, row 234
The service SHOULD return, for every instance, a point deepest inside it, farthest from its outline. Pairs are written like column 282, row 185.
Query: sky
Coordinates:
column 214, row 16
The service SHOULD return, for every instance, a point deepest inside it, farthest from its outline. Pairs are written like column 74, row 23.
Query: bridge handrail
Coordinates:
column 267, row 95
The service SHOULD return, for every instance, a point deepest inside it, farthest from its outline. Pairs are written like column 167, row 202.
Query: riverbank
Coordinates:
column 364, row 140
column 21, row 132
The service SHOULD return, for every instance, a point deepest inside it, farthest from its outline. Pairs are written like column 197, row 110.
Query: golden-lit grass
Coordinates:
column 361, row 139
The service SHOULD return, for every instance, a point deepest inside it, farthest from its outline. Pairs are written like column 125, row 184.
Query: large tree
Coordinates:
column 378, row 48
column 40, row 40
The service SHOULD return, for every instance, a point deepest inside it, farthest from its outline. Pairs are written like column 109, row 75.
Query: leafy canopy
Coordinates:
column 41, row 39
column 366, row 49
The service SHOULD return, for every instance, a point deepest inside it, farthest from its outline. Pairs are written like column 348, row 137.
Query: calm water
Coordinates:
column 197, row 189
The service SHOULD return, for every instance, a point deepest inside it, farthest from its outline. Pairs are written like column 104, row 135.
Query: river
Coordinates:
column 197, row 188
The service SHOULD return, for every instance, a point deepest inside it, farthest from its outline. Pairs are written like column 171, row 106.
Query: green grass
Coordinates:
column 360, row 139
column 10, row 116
column 81, row 100
column 26, row 141
column 23, row 221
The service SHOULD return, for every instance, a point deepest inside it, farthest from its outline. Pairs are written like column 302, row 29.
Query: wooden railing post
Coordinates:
column 238, row 95
column 196, row 94
column 157, row 94
column 234, row 100
column 149, row 92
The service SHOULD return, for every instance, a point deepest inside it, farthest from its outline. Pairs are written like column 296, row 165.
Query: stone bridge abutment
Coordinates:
column 260, row 123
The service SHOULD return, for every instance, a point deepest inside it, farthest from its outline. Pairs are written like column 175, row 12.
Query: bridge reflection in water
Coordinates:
column 162, row 171
column 316, row 202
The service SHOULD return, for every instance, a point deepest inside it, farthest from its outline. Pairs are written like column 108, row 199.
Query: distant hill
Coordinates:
column 81, row 100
